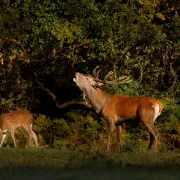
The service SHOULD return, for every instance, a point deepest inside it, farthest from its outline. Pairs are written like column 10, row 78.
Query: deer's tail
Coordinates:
column 157, row 110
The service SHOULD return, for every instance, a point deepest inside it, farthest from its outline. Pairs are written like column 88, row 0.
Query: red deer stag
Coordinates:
column 116, row 109
column 15, row 119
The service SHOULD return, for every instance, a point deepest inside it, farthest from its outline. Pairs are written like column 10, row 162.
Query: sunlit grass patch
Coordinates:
column 84, row 164
column 41, row 157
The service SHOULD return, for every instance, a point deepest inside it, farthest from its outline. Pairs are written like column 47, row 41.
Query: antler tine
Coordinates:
column 123, row 77
column 110, row 73
column 97, row 75
column 94, row 71
column 121, row 80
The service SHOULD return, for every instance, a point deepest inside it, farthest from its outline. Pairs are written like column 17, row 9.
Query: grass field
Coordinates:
column 83, row 164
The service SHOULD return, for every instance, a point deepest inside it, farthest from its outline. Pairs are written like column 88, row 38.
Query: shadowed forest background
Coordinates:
column 43, row 44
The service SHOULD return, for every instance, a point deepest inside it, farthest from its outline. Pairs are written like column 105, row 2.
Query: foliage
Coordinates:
column 78, row 129
column 133, row 37
column 169, row 125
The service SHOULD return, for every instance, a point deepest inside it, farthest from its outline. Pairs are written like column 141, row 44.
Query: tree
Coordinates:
column 54, row 39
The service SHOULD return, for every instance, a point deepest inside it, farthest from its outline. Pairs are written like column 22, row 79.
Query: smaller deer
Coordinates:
column 16, row 119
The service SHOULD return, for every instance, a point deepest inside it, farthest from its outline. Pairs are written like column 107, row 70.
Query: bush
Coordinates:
column 79, row 129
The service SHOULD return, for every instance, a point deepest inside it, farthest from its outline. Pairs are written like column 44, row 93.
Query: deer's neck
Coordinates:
column 97, row 98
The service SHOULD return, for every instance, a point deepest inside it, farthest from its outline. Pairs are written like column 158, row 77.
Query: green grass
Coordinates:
column 83, row 164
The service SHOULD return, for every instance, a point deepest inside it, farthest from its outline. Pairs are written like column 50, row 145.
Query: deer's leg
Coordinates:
column 153, row 135
column 31, row 134
column 154, row 140
column 27, row 128
column 119, row 134
column 13, row 137
column 34, row 136
column 148, row 117
column 3, row 138
column 110, row 131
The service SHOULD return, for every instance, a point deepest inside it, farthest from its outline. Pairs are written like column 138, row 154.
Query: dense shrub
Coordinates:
column 85, row 130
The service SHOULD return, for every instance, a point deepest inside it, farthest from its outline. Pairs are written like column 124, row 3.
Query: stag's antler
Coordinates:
column 109, row 74
column 95, row 72
column 121, row 80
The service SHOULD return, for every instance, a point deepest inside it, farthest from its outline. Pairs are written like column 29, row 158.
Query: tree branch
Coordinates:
column 62, row 105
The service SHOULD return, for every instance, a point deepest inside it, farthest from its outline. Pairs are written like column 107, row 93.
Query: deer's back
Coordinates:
column 16, row 119
column 127, row 107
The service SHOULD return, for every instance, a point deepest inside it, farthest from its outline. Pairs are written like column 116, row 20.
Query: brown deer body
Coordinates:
column 116, row 109
column 16, row 119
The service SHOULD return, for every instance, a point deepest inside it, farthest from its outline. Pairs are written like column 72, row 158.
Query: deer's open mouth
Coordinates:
column 74, row 79
column 78, row 80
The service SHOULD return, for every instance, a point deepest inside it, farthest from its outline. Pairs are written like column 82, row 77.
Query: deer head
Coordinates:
column 84, row 81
